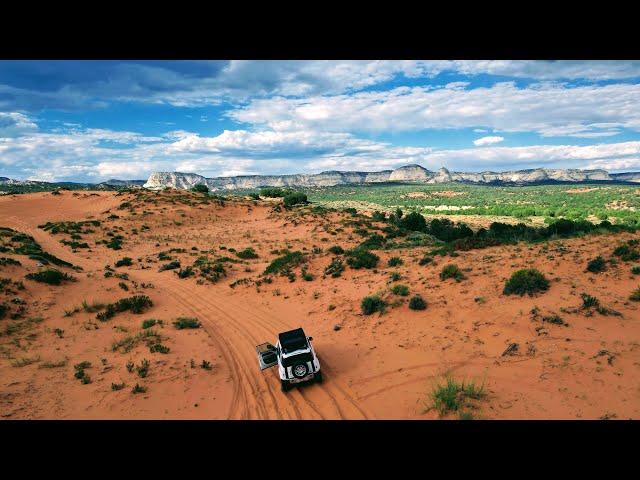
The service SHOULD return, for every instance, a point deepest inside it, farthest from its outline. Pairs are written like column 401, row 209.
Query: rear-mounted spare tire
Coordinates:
column 300, row 370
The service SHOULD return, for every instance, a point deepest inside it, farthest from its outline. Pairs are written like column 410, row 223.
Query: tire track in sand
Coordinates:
column 248, row 401
column 344, row 404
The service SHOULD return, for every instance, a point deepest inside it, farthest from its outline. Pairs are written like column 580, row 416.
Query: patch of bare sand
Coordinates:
column 375, row 366
column 581, row 190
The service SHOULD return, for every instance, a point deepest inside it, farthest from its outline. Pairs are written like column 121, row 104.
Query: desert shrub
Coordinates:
column 295, row 198
column 206, row 365
column 395, row 276
column 372, row 304
column 425, row 260
column 372, row 242
column 247, row 253
column 306, row 276
column 200, row 188
column 182, row 323
column 635, row 270
column 336, row 250
column 170, row 266
column 413, row 221
column 528, row 281
column 635, row 295
column 335, row 268
column 143, row 369
column 50, row 276
column 117, row 386
column 589, row 301
column 115, row 243
column 379, row 216
column 401, row 290
column 597, row 265
column 627, row 252
column 159, row 348
column 80, row 372
column 135, row 304
column 273, row 192
column 254, row 196
column 394, row 261
column 4, row 261
column 4, row 308
column 451, row 271
column 185, row 272
column 350, row 211
column 124, row 262
column 123, row 286
column 417, row 303
column 359, row 258
column 138, row 389
column 150, row 322
column 284, row 263
column 452, row 395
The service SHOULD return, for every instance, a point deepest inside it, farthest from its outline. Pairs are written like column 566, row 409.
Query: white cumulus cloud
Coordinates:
column 487, row 141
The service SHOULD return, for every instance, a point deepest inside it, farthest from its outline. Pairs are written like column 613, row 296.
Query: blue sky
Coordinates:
column 95, row 120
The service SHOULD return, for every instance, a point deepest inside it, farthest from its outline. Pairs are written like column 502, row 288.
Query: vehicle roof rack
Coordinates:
column 286, row 337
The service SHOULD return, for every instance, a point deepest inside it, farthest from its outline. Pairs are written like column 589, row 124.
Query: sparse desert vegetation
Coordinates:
column 393, row 299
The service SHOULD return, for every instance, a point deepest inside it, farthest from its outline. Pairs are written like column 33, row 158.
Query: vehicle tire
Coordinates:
column 319, row 377
column 300, row 370
column 285, row 385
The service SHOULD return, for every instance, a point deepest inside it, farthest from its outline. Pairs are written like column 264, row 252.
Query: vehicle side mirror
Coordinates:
column 310, row 338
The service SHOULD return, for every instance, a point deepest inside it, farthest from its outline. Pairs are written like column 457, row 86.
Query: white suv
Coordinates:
column 297, row 361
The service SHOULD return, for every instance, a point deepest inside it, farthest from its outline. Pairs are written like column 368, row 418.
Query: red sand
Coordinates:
column 375, row 366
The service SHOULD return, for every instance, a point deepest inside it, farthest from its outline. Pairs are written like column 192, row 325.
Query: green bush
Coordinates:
column 425, row 260
column 597, row 265
column 401, row 290
column 4, row 261
column 135, row 304
column 451, row 271
column 124, row 262
column 635, row 270
column 170, row 266
column 528, row 281
column 359, row 258
column 284, row 263
column 335, row 268
column 182, row 323
column 372, row 304
column 413, row 221
column 185, row 272
column 50, row 276
column 150, row 323
column 394, row 261
column 295, row 198
column 635, row 295
column 247, row 253
column 374, row 241
column 200, row 188
column 273, row 192
column 452, row 395
column 336, row 250
column 139, row 389
column 417, row 303
column 589, row 301
column 159, row 348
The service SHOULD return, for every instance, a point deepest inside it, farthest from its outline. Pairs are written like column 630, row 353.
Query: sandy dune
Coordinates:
column 375, row 366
